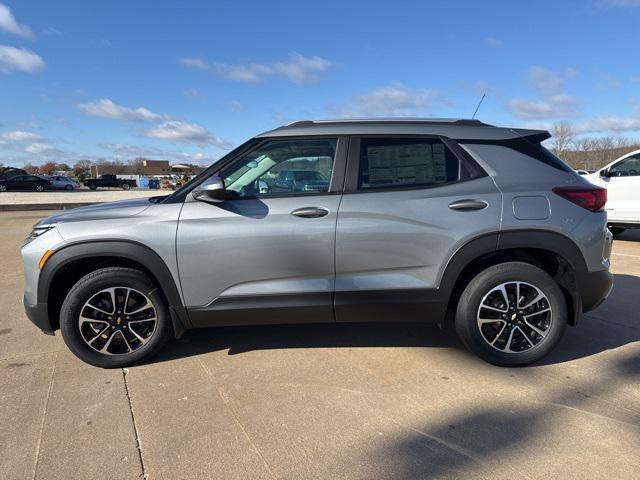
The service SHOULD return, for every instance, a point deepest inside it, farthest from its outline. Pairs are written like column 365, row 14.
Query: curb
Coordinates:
column 26, row 207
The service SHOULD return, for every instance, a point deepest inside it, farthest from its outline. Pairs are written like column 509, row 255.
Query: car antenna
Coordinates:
column 478, row 107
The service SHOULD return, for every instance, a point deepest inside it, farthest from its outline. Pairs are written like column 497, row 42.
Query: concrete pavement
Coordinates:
column 334, row 401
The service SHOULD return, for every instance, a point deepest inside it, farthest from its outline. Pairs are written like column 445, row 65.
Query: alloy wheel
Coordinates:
column 514, row 317
column 117, row 321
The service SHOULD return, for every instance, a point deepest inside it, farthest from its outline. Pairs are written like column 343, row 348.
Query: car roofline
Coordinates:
column 455, row 128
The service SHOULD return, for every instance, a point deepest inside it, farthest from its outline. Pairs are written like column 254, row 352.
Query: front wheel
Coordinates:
column 126, row 186
column 511, row 314
column 92, row 186
column 3, row 188
column 39, row 188
column 115, row 317
column 68, row 187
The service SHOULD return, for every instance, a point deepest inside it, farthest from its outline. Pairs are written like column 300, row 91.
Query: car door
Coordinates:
column 622, row 182
column 410, row 203
column 19, row 182
column 264, row 255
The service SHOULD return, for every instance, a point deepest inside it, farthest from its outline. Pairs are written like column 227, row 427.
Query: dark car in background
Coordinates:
column 109, row 181
column 25, row 183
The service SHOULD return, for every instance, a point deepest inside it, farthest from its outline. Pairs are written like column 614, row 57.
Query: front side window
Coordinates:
column 282, row 167
column 405, row 162
column 629, row 167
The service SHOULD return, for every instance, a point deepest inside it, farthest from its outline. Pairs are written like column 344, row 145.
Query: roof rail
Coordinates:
column 430, row 121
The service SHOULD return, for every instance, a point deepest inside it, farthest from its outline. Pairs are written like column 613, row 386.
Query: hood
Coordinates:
column 118, row 209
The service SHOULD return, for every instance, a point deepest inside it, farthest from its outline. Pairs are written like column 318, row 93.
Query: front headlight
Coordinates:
column 35, row 233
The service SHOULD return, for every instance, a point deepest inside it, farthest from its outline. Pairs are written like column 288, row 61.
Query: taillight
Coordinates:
column 591, row 198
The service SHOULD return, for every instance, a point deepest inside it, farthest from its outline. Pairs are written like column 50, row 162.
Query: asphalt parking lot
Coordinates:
column 334, row 401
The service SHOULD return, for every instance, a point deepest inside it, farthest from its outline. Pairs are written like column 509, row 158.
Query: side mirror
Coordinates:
column 211, row 190
column 604, row 173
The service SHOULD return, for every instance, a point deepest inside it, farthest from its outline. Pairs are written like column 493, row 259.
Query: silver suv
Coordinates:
column 401, row 220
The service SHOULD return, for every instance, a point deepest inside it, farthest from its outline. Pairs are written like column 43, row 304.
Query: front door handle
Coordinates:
column 468, row 204
column 310, row 212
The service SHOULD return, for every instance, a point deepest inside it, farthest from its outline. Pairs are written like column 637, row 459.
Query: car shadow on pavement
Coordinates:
column 613, row 324
column 503, row 438
column 629, row 235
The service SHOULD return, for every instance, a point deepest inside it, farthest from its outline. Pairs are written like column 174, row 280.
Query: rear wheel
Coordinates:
column 126, row 186
column 39, row 188
column 92, row 186
column 68, row 187
column 3, row 188
column 115, row 317
column 511, row 314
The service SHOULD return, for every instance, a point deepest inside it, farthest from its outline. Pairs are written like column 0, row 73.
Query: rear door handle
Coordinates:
column 310, row 212
column 468, row 204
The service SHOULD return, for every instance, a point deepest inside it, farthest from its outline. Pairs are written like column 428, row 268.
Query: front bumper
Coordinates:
column 39, row 315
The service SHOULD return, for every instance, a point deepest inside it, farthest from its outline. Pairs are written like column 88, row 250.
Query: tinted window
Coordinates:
column 282, row 167
column 629, row 167
column 405, row 162
column 19, row 178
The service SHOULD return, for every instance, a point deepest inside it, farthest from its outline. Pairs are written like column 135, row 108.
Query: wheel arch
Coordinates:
column 67, row 265
column 554, row 253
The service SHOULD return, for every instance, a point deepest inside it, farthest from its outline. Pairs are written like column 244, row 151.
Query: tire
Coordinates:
column 39, row 188
column 116, row 333
column 615, row 231
column 92, row 186
column 3, row 188
column 483, row 294
column 126, row 186
column 68, row 187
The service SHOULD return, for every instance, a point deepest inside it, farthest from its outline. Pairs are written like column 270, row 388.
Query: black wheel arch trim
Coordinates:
column 584, row 296
column 127, row 249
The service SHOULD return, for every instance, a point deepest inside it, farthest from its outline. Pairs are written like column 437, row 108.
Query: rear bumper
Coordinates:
column 594, row 288
column 39, row 316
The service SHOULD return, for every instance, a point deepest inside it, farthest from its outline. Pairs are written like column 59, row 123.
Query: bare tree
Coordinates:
column 563, row 136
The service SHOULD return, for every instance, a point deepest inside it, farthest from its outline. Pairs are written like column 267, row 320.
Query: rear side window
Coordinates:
column 405, row 162
column 529, row 146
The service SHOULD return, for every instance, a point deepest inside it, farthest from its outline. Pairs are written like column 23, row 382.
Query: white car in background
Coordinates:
column 621, row 178
column 61, row 182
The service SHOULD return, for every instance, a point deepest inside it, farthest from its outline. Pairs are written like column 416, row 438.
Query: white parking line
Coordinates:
column 625, row 255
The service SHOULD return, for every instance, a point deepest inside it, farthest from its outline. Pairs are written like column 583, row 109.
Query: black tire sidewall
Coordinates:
column 89, row 286
column 466, row 314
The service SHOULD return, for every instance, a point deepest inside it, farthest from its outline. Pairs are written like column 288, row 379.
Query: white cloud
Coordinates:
column 193, row 94
column 12, row 58
column 620, row 3
column 9, row 24
column 553, row 106
column 235, row 105
column 608, row 124
column 179, row 131
column 194, row 63
column 493, row 42
column 108, row 109
column 547, row 81
column 297, row 69
column 554, row 101
column 394, row 100
column 127, row 151
column 19, row 136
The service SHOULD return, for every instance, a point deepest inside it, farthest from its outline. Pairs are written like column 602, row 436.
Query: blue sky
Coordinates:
column 188, row 80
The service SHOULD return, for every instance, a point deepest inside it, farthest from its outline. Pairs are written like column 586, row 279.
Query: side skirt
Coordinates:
column 265, row 310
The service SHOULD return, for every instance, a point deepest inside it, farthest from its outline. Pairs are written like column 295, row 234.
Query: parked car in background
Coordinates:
column 621, row 178
column 25, row 182
column 109, row 181
column 60, row 182
column 288, row 181
column 421, row 221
